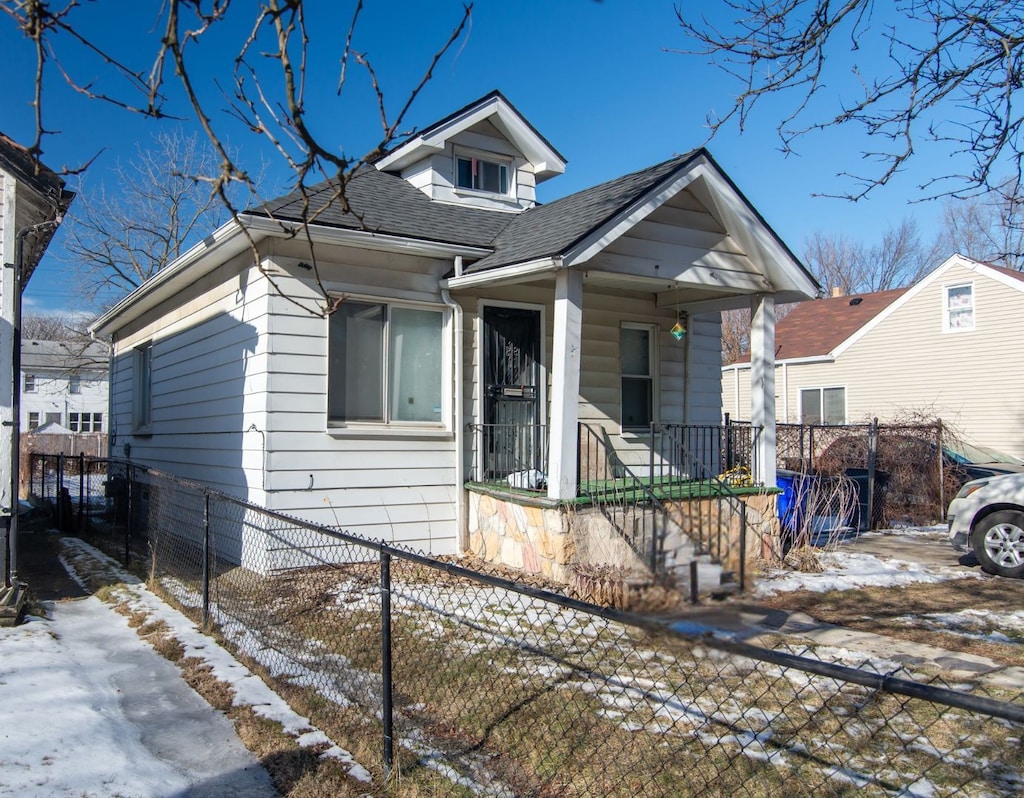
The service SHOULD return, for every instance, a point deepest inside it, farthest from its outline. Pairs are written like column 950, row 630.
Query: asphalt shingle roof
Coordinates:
column 390, row 205
column 385, row 203
column 819, row 326
column 64, row 356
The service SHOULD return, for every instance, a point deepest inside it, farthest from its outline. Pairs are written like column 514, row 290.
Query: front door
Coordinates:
column 513, row 440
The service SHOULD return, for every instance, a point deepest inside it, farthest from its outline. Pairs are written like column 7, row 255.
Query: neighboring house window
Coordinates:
column 823, row 406
column 33, row 420
column 74, row 384
column 637, row 359
column 385, row 364
column 30, row 383
column 483, row 174
column 142, row 400
column 959, row 310
column 53, row 418
column 85, row 422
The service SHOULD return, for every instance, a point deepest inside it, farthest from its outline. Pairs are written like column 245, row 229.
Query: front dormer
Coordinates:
column 486, row 155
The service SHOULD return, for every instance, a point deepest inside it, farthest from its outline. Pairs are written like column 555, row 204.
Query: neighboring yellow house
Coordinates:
column 951, row 346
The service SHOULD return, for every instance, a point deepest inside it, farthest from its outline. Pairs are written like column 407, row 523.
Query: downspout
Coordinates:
column 11, row 552
column 458, row 376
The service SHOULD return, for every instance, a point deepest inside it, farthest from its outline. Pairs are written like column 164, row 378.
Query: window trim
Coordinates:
column 821, row 396
column 442, row 428
column 653, row 331
column 142, row 388
column 946, row 309
column 507, row 161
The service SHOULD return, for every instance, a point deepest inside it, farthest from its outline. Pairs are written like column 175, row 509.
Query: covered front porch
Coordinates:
column 593, row 361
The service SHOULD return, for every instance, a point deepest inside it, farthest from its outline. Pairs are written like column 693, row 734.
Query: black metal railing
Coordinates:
column 468, row 682
column 626, row 500
column 514, row 455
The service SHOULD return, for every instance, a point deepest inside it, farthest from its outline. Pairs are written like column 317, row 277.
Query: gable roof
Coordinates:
column 827, row 327
column 815, row 329
column 17, row 160
column 551, row 229
column 545, row 159
column 64, row 356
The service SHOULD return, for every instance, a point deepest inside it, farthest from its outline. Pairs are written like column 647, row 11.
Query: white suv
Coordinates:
column 987, row 516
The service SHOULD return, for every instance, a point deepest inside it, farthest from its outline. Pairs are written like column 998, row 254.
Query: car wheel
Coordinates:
column 998, row 542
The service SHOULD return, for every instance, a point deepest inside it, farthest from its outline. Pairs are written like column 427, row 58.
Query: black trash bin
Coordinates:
column 860, row 476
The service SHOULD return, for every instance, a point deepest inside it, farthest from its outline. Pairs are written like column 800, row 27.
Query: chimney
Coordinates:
column 837, row 290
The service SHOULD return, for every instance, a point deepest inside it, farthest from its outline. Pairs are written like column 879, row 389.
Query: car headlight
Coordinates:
column 971, row 487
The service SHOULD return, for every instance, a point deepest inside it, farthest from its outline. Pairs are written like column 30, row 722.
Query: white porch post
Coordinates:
column 762, row 385
column 563, row 447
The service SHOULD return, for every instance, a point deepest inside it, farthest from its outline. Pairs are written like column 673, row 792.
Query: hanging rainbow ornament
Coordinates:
column 678, row 331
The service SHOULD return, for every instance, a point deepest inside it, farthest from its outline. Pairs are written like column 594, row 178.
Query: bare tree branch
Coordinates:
column 951, row 78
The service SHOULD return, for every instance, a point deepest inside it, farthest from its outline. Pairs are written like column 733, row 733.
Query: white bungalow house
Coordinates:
column 482, row 358
column 32, row 204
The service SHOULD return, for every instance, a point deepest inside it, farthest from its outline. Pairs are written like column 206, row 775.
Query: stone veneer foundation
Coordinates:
column 541, row 536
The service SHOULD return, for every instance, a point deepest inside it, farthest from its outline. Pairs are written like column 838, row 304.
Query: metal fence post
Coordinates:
column 206, row 561
column 872, row 461
column 385, row 668
column 81, row 492
column 58, row 493
column 128, row 521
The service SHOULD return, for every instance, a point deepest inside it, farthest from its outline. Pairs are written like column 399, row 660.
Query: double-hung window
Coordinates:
column 958, row 313
column 823, row 406
column 490, row 174
column 142, row 399
column 30, row 383
column 385, row 364
column 636, row 362
column 33, row 420
column 74, row 384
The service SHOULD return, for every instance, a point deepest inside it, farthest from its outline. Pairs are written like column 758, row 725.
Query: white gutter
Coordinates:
column 520, row 272
column 459, row 427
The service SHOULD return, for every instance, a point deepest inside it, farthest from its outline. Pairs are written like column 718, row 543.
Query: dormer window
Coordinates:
column 483, row 174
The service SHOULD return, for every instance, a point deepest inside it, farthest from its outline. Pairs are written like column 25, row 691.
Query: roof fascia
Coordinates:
column 516, row 273
column 913, row 291
column 226, row 241
column 547, row 162
column 755, row 236
column 785, row 361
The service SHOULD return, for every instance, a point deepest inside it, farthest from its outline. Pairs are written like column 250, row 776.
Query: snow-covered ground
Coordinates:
column 91, row 710
column 72, row 728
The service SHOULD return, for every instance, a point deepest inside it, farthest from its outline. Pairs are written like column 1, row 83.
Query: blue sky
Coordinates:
column 598, row 79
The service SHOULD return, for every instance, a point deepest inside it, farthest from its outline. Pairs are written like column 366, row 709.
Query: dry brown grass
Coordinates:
column 878, row 610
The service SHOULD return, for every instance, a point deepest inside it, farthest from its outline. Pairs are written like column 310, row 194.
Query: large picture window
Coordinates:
column 637, row 359
column 823, row 406
column 385, row 364
column 958, row 313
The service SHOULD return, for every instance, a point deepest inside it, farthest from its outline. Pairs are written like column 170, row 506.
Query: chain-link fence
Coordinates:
column 453, row 682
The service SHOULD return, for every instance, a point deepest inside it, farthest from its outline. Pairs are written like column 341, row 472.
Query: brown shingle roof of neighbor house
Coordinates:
column 819, row 326
column 1009, row 272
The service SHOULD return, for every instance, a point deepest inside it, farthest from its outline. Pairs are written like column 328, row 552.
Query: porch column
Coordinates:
column 762, row 386
column 563, row 446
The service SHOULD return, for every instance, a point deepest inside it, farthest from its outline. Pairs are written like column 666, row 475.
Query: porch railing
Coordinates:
column 514, row 455
column 623, row 497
